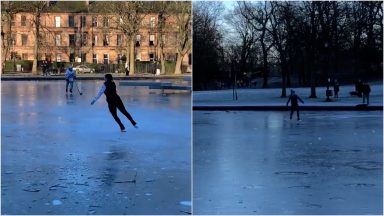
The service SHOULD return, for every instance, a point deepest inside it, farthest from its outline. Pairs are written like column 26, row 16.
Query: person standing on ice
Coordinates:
column 114, row 101
column 294, row 104
column 69, row 78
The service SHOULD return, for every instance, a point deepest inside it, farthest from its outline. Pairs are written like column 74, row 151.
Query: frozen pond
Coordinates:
column 263, row 163
column 60, row 155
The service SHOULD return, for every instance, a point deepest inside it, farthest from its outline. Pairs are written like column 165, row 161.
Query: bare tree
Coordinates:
column 259, row 15
column 183, row 13
column 281, row 31
column 8, row 11
column 38, row 7
column 207, row 42
column 163, row 8
column 127, row 17
column 245, row 39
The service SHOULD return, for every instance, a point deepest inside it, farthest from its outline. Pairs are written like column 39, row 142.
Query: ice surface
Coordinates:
column 264, row 163
column 78, row 150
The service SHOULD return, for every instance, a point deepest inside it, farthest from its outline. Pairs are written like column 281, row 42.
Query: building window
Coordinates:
column 106, row 58
column 106, row 40
column 94, row 40
column 24, row 39
column 151, row 57
column 138, row 40
column 94, row 21
column 24, row 56
column 71, row 57
column 94, row 58
column 151, row 40
column 72, row 40
column 105, row 21
column 71, row 21
column 84, row 37
column 119, row 41
column 23, row 21
column 57, row 21
column 58, row 57
column 83, row 21
column 152, row 22
column 83, row 57
column 58, row 40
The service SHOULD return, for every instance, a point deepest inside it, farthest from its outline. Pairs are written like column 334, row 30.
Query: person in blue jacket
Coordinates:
column 114, row 101
column 69, row 78
column 294, row 99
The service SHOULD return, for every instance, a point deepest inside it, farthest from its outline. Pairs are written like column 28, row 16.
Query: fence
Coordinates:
column 140, row 67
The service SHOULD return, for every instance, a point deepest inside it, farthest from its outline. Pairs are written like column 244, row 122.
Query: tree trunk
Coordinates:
column 162, row 62
column 37, row 41
column 131, row 57
column 161, row 55
column 127, row 55
column 179, row 60
column 312, row 62
column 312, row 77
column 35, row 54
column 284, row 75
column 265, row 67
column 6, row 42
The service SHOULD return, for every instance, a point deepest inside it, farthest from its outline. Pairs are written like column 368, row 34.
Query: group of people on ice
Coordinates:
column 361, row 90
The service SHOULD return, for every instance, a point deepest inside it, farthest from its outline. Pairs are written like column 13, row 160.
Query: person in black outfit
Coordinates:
column 336, row 88
column 359, row 88
column 366, row 89
column 114, row 101
column 43, row 67
column 294, row 104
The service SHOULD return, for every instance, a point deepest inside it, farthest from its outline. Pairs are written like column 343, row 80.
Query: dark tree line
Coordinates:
column 207, row 48
column 304, row 42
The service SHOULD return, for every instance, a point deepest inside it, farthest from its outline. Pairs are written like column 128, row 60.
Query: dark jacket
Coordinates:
column 110, row 92
column 366, row 88
column 294, row 100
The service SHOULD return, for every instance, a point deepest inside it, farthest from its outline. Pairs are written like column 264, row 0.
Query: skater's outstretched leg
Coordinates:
column 122, row 109
column 113, row 111
column 66, row 85
column 70, row 86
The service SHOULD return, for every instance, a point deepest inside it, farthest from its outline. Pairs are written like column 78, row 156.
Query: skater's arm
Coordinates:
column 300, row 100
column 288, row 100
column 101, row 92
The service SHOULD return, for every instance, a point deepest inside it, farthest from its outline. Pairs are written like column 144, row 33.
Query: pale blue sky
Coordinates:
column 228, row 3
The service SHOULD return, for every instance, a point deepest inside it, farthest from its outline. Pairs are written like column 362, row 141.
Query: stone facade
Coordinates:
column 87, row 37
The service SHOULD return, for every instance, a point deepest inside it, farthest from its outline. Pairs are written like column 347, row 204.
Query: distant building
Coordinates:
column 88, row 37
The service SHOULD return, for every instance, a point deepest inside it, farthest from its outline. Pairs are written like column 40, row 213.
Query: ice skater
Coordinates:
column 44, row 68
column 69, row 78
column 114, row 101
column 336, row 88
column 294, row 104
column 366, row 89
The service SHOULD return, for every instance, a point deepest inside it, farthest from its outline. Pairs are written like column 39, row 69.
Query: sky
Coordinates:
column 229, row 4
